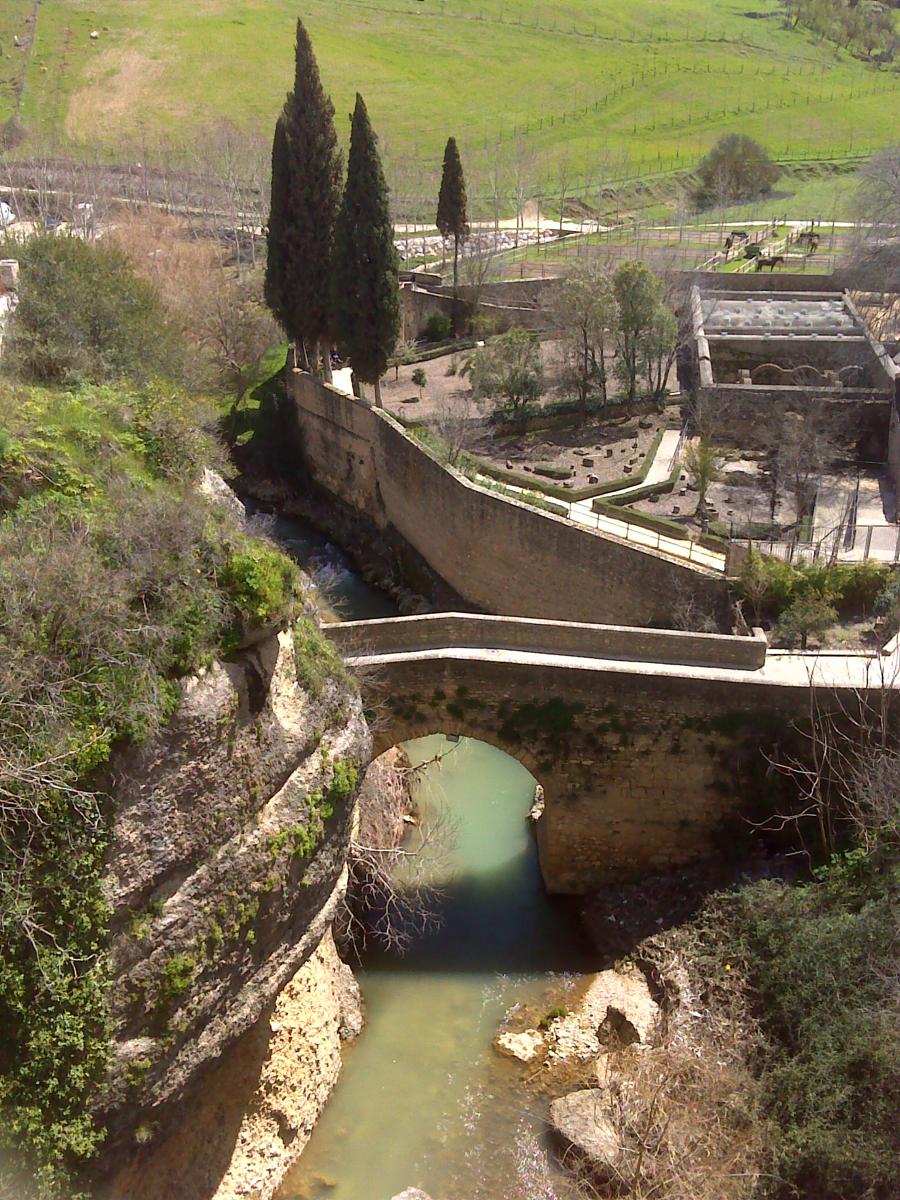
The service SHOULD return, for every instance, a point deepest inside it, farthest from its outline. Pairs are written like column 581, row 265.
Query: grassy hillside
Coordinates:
column 611, row 87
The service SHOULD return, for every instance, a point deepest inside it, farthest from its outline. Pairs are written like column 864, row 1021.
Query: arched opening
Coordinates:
column 424, row 1081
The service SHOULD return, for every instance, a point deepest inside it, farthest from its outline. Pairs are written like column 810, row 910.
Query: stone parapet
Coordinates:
column 439, row 630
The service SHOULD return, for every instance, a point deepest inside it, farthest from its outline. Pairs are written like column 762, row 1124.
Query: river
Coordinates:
column 424, row 1100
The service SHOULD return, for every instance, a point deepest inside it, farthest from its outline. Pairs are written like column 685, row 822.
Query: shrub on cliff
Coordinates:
column 820, row 961
column 116, row 578
column 84, row 315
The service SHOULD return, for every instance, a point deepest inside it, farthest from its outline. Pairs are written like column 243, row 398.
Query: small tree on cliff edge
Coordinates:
column 305, row 200
column 366, row 289
column 451, row 211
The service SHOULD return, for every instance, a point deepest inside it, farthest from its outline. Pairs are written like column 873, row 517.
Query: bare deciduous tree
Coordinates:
column 394, row 860
column 459, row 423
column 806, row 446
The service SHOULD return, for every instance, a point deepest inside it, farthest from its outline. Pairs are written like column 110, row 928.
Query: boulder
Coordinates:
column 581, row 1122
column 616, row 1007
column 524, row 1046
column 217, row 491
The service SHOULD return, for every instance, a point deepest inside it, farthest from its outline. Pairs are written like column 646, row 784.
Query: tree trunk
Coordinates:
column 585, row 376
column 356, row 386
column 377, row 386
column 325, row 351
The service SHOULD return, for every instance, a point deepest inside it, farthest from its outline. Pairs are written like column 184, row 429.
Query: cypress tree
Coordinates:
column 275, row 288
column 451, row 211
column 309, row 203
column 366, row 288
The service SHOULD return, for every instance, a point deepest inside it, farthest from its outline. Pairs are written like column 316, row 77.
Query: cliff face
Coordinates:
column 261, row 1102
column 228, row 859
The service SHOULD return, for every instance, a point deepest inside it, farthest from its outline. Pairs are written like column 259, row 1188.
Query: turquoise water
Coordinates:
column 344, row 594
column 423, row 1100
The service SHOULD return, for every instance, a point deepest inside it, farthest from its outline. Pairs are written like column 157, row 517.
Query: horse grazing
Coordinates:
column 769, row 260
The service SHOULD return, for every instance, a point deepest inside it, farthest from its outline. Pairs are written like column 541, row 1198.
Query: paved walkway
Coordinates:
column 781, row 669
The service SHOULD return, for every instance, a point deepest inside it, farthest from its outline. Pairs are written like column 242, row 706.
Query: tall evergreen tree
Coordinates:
column 451, row 211
column 366, row 289
column 275, row 287
column 309, row 204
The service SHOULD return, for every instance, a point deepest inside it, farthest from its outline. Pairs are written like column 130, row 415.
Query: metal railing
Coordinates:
column 846, row 542
column 684, row 548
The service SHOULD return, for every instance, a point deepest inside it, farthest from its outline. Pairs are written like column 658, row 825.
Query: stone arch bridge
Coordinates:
column 651, row 746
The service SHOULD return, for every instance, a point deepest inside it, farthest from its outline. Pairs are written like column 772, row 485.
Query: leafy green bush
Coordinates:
column 315, row 658
column 771, row 585
column 84, row 315
column 177, row 977
column 260, row 581
column 552, row 472
column 343, row 781
column 887, row 605
column 808, row 613
column 736, row 167
column 176, row 431
column 821, row 966
column 438, row 328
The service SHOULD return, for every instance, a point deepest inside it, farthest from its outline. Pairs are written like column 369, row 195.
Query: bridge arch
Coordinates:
column 390, row 733
column 646, row 742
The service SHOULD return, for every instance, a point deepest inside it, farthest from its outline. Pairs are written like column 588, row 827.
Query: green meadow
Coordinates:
column 593, row 89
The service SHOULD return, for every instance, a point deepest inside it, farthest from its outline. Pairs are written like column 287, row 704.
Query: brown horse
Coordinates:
column 769, row 260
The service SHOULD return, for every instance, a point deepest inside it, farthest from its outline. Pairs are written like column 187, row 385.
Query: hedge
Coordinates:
column 586, row 493
column 438, row 351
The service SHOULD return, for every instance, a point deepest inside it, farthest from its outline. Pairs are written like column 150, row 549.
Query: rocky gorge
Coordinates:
column 226, row 867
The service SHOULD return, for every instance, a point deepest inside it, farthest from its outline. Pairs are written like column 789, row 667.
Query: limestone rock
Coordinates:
column 198, row 813
column 260, row 1101
column 412, row 1194
column 523, row 1046
column 215, row 489
column 581, row 1122
column 617, row 1005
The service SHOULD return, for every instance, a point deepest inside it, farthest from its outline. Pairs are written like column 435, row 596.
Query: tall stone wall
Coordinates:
column 498, row 555
column 751, row 417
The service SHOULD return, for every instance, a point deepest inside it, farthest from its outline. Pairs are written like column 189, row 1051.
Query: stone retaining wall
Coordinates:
column 499, row 555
